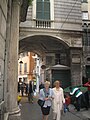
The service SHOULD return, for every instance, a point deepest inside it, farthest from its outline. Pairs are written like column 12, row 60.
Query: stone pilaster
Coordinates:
column 12, row 62
column 76, row 66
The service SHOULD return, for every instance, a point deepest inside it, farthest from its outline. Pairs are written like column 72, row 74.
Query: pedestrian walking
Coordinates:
column 26, row 89
column 30, row 92
column 58, row 101
column 35, row 82
column 19, row 87
column 46, row 94
column 41, row 86
column 79, row 96
column 22, row 88
column 19, row 100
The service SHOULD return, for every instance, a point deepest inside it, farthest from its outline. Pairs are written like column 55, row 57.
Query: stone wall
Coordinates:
column 9, row 35
column 3, row 19
column 63, row 7
column 11, row 71
column 67, row 12
column 76, row 66
column 89, row 8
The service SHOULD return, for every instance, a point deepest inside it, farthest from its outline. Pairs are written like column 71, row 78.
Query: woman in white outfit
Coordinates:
column 58, row 101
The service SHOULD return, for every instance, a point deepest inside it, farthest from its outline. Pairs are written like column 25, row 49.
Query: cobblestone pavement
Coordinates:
column 31, row 111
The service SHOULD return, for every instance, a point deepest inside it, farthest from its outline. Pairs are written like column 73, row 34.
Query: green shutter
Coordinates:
column 63, row 75
column 46, row 0
column 47, row 10
column 43, row 9
column 39, row 10
column 39, row 0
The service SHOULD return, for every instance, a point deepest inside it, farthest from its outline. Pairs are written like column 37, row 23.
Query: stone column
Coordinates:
column 76, row 66
column 12, row 62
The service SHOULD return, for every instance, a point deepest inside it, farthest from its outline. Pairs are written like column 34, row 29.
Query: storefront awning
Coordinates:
column 58, row 67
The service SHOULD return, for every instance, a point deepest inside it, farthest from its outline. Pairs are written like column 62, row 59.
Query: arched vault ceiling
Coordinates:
column 42, row 43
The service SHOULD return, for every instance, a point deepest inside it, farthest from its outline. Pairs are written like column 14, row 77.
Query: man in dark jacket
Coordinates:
column 41, row 86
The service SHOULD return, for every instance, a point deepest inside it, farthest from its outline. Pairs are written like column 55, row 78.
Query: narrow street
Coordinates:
column 31, row 111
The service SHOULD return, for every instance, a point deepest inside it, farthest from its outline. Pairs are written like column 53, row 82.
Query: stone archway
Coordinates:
column 52, row 49
column 43, row 44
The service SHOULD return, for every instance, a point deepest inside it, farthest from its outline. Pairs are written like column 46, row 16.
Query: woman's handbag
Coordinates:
column 40, row 102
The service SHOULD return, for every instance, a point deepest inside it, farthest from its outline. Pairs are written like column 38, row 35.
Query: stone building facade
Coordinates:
column 3, row 26
column 9, row 36
column 60, row 31
column 57, row 20
column 3, row 19
column 26, row 65
column 86, row 39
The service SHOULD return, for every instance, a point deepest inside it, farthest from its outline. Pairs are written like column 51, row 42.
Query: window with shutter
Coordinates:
column 43, row 9
column 20, row 68
column 25, row 67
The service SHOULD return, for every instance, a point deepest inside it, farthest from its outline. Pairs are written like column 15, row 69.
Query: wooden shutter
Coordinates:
column 47, row 10
column 39, row 9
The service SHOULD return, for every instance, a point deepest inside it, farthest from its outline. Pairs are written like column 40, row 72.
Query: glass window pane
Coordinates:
column 20, row 69
column 39, row 10
column 46, row 15
column 25, row 67
column 39, row 6
column 47, row 10
column 39, row 15
column 46, row 6
column 85, row 15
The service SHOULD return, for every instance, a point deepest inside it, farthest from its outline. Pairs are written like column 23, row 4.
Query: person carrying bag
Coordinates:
column 41, row 102
column 45, row 100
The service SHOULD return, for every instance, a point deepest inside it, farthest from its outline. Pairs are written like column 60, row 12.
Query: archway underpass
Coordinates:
column 51, row 51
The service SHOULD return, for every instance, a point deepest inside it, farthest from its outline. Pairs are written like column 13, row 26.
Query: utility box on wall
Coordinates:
column 61, row 73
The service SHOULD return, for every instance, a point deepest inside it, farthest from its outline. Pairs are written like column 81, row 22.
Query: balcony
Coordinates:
column 43, row 24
